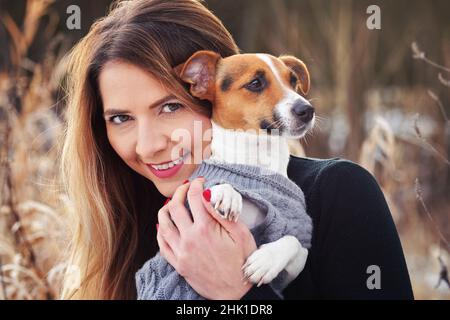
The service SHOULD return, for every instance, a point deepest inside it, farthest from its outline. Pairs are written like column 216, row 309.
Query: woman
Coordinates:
column 125, row 103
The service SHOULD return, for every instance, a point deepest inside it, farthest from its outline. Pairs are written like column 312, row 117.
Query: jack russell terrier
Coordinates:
column 253, row 92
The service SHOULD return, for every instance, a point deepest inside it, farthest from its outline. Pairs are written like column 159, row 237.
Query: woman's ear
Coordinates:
column 300, row 70
column 200, row 71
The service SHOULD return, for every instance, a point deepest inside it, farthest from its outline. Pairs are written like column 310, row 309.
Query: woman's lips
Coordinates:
column 166, row 173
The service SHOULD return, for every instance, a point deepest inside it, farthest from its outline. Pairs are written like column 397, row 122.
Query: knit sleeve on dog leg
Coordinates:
column 281, row 199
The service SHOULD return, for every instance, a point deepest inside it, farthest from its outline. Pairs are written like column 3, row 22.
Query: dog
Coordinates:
column 258, row 93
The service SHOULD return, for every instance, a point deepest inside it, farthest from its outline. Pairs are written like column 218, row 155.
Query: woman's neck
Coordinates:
column 250, row 148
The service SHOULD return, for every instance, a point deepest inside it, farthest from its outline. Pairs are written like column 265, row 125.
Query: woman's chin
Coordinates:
column 168, row 186
column 167, row 189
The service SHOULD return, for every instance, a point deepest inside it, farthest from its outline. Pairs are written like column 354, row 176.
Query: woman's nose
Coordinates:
column 150, row 141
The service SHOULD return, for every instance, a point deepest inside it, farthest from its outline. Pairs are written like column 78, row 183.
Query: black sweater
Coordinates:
column 352, row 230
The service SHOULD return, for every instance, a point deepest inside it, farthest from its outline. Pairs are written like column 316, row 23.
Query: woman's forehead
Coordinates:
column 128, row 85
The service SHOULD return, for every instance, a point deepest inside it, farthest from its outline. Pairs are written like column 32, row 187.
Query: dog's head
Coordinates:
column 252, row 91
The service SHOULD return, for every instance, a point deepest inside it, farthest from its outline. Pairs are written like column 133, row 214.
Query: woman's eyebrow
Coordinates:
column 153, row 105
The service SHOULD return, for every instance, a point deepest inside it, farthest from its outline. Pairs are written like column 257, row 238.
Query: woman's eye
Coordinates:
column 120, row 118
column 171, row 107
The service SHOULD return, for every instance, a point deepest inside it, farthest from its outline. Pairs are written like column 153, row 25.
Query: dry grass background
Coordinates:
column 405, row 147
column 33, row 208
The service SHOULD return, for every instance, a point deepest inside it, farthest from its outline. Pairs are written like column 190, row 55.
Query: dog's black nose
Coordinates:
column 304, row 111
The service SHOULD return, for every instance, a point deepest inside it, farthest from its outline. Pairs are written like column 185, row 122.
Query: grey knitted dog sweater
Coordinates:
column 274, row 193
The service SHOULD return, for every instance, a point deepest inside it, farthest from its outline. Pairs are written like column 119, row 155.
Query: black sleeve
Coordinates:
column 264, row 292
column 355, row 230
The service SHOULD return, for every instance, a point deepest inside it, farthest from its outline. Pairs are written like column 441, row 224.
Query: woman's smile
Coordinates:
column 167, row 169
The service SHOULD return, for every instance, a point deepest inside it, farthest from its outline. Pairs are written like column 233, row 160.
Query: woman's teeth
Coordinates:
column 168, row 165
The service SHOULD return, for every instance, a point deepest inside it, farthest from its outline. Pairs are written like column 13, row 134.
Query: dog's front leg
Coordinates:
column 270, row 259
column 227, row 201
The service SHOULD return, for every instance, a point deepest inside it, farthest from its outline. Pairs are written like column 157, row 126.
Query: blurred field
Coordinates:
column 383, row 98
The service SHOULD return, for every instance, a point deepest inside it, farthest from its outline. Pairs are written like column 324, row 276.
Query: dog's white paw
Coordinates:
column 265, row 264
column 227, row 201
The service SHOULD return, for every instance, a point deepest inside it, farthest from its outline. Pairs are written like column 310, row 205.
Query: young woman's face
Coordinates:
column 149, row 128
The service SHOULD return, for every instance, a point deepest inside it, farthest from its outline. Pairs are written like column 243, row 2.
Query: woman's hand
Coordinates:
column 208, row 252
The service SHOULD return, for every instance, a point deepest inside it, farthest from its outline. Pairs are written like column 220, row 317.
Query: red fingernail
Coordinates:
column 157, row 226
column 185, row 181
column 207, row 195
column 167, row 200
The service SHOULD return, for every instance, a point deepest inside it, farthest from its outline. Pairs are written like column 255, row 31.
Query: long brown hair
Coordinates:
column 115, row 208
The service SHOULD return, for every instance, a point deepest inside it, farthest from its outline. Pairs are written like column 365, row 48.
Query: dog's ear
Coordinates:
column 200, row 72
column 300, row 70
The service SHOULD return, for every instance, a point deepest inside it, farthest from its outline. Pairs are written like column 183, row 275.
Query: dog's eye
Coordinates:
column 256, row 85
column 293, row 80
